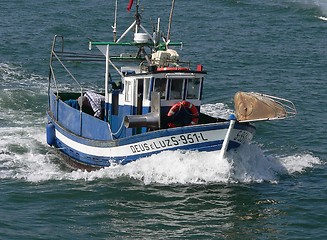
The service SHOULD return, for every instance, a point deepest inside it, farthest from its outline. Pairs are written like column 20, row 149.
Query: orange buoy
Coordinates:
column 187, row 105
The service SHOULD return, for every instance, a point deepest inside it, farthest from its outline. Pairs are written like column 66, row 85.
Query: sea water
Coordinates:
column 274, row 188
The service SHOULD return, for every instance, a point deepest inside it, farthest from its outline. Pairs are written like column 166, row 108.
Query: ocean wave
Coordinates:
column 29, row 159
column 308, row 4
column 322, row 18
column 178, row 167
column 16, row 77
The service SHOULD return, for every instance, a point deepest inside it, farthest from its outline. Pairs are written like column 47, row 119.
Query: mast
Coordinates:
column 170, row 19
column 114, row 27
column 106, row 85
column 137, row 24
column 137, row 17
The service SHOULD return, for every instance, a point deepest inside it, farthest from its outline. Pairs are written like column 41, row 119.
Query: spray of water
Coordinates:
column 28, row 158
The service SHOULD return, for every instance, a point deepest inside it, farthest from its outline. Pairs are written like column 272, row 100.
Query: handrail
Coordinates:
column 52, row 76
column 150, row 44
column 67, row 70
column 54, row 55
column 287, row 104
column 51, row 71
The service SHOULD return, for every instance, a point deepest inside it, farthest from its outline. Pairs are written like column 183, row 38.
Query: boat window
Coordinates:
column 176, row 88
column 128, row 91
column 193, row 88
column 146, row 94
column 140, row 88
column 115, row 103
column 160, row 86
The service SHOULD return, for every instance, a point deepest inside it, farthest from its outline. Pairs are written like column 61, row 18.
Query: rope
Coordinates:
column 120, row 128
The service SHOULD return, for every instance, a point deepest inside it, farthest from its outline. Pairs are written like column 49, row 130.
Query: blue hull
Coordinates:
column 86, row 153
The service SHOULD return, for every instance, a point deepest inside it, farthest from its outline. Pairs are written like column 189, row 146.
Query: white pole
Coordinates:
column 115, row 23
column 170, row 19
column 158, row 25
column 106, row 83
column 127, row 30
column 226, row 140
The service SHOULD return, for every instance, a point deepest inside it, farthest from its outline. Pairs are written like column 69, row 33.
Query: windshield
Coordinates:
column 160, row 86
column 179, row 88
column 193, row 88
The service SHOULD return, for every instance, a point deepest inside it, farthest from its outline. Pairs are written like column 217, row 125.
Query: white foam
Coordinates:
column 216, row 110
column 247, row 165
column 250, row 164
column 322, row 18
column 171, row 167
column 15, row 77
column 24, row 155
column 299, row 163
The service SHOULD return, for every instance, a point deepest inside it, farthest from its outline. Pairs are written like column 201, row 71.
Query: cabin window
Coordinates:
column 146, row 94
column 176, row 89
column 160, row 86
column 193, row 88
column 115, row 103
column 140, row 89
column 128, row 91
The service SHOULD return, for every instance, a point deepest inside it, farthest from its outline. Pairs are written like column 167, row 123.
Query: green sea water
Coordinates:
column 274, row 189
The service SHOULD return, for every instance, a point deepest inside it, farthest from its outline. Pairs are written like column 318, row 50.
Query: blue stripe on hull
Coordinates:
column 96, row 161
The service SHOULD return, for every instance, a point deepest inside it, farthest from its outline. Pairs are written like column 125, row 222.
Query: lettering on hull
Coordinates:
column 170, row 142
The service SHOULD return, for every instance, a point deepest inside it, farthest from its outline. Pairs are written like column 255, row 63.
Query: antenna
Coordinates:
column 137, row 17
column 114, row 27
column 137, row 24
column 170, row 19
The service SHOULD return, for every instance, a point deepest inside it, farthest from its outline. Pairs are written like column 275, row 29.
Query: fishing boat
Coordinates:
column 149, row 102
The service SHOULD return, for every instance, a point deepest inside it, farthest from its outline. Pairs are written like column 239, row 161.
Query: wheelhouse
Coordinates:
column 135, row 95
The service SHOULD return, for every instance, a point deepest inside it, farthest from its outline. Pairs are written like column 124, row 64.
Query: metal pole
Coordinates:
column 106, row 84
column 114, row 27
column 224, row 147
column 127, row 30
column 170, row 19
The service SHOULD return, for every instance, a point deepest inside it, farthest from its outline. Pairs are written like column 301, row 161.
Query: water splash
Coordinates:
column 13, row 77
column 24, row 155
column 216, row 110
column 33, row 162
column 21, row 101
column 203, row 168
column 250, row 164
column 322, row 18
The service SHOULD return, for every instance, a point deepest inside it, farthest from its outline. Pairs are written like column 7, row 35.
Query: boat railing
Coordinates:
column 287, row 104
column 52, row 75
column 58, row 54
column 51, row 71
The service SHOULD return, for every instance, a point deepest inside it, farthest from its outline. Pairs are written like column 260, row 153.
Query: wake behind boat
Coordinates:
column 149, row 102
